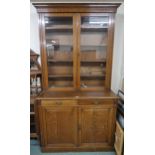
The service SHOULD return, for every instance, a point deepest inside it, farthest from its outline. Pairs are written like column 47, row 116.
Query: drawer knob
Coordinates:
column 58, row 103
column 96, row 102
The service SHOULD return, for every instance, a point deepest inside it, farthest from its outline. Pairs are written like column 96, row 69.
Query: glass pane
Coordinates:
column 93, row 51
column 59, row 47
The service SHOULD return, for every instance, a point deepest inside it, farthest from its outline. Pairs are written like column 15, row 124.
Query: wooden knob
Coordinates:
column 96, row 102
column 59, row 103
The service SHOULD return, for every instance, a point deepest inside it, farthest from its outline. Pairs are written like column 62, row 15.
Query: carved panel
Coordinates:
column 94, row 124
column 61, row 125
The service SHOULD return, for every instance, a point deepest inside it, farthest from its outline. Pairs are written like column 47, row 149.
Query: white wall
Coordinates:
column 34, row 30
column 118, row 51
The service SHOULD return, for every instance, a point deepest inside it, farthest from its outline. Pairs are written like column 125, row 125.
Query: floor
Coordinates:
column 35, row 150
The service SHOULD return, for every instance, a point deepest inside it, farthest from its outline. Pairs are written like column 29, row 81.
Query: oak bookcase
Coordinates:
column 76, row 111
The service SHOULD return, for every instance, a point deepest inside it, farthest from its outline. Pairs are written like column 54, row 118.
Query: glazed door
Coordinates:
column 95, row 126
column 58, row 126
column 95, row 51
column 76, row 50
column 58, row 51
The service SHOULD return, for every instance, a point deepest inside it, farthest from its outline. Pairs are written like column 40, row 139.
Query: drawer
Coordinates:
column 96, row 102
column 58, row 102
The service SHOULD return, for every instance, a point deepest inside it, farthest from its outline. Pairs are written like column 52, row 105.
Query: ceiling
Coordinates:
column 77, row 1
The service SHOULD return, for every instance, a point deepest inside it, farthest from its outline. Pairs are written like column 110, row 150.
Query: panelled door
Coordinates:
column 95, row 126
column 58, row 126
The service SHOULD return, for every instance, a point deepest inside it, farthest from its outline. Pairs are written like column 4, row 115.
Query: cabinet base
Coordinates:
column 76, row 149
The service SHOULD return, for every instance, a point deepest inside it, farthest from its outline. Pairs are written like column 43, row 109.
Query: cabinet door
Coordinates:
column 58, row 126
column 58, row 51
column 96, row 126
column 95, row 51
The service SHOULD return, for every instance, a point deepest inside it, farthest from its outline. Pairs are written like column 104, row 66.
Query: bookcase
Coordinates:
column 77, row 110
column 35, row 89
column 76, row 50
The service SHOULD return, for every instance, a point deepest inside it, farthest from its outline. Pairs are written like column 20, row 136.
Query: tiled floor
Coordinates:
column 35, row 150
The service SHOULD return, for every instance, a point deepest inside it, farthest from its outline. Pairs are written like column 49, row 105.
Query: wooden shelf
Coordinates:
column 92, row 76
column 35, row 72
column 33, row 96
column 48, row 42
column 60, row 76
column 35, row 86
column 70, row 27
column 93, row 61
column 91, row 45
column 32, row 123
column 59, row 27
column 93, row 27
column 32, row 102
column 33, row 135
column 60, row 61
column 32, row 113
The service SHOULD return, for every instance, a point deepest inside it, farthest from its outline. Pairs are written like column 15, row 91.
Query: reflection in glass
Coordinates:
column 93, row 51
column 59, row 47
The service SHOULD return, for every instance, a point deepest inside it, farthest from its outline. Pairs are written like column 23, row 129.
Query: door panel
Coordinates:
column 60, row 125
column 93, row 50
column 59, row 51
column 95, row 125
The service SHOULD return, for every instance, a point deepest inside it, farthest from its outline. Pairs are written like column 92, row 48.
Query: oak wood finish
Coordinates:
column 119, row 139
column 109, row 52
column 44, row 53
column 76, row 8
column 76, row 121
column 76, row 118
column 59, row 129
column 76, row 11
column 78, row 50
column 95, row 125
column 77, row 94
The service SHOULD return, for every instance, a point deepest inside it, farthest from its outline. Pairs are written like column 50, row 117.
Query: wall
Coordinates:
column 118, row 51
column 34, row 30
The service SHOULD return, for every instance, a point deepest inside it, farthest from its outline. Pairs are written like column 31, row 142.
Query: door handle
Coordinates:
column 58, row 103
column 96, row 102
